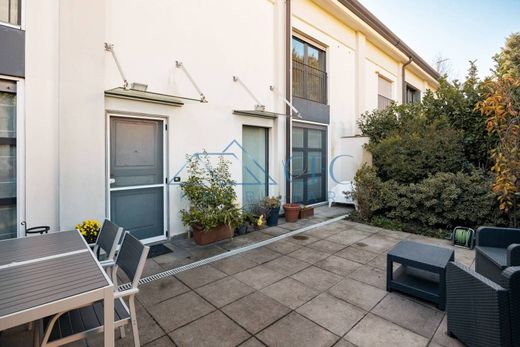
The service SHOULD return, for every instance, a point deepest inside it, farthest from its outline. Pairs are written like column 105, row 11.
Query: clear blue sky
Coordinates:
column 460, row 30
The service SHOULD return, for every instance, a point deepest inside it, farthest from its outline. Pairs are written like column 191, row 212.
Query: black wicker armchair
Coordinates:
column 480, row 311
column 497, row 249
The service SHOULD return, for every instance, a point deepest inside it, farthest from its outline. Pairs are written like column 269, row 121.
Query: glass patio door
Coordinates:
column 309, row 160
column 137, row 179
column 255, row 177
column 8, row 215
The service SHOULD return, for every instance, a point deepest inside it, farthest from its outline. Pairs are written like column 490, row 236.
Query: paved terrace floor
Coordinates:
column 327, row 289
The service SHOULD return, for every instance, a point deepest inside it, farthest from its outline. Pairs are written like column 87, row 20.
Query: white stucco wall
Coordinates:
column 68, row 72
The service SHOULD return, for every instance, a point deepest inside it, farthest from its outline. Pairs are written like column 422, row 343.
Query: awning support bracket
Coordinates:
column 180, row 65
column 110, row 48
column 287, row 102
column 259, row 106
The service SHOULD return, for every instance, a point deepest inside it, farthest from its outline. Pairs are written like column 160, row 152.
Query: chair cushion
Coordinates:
column 496, row 255
column 84, row 319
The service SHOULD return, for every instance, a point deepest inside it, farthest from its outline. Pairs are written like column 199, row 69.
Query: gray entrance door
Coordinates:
column 137, row 180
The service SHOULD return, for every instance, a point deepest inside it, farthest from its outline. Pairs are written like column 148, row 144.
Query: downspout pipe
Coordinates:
column 403, row 77
column 288, row 96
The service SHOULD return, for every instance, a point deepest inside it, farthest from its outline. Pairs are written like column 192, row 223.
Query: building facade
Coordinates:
column 102, row 100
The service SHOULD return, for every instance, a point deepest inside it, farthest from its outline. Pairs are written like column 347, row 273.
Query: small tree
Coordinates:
column 501, row 107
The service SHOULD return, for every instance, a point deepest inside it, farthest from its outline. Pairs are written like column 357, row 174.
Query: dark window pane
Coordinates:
column 315, row 138
column 297, row 137
column 8, row 165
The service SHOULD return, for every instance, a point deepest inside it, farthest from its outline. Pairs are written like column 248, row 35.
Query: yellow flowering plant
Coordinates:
column 89, row 229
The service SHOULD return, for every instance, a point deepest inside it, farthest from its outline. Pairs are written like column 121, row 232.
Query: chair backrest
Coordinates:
column 108, row 238
column 511, row 281
column 132, row 257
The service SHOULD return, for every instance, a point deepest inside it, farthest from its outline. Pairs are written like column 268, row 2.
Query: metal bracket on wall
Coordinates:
column 180, row 65
column 287, row 102
column 110, row 48
column 259, row 106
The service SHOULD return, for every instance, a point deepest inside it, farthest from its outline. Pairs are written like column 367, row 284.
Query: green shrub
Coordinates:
column 423, row 149
column 441, row 201
column 211, row 192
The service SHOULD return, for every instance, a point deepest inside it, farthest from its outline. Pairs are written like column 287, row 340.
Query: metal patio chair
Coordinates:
column 107, row 241
column 83, row 322
column 482, row 312
column 497, row 249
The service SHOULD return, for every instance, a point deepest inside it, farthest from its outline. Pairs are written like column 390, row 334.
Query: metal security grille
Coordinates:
column 215, row 258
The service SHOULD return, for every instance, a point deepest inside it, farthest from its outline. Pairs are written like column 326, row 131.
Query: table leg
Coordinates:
column 389, row 272
column 109, row 317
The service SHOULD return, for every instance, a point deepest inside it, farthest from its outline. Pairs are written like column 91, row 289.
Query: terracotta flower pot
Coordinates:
column 291, row 212
column 202, row 237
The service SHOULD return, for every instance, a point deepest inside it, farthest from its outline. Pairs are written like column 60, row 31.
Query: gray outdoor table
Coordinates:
column 44, row 275
column 422, row 272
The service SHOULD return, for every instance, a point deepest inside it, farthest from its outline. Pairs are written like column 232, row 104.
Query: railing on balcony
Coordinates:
column 309, row 83
column 383, row 102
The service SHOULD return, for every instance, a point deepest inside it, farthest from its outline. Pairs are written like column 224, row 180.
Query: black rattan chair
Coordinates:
column 42, row 229
column 480, row 311
column 497, row 249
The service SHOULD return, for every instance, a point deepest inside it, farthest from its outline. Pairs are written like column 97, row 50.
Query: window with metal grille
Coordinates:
column 309, row 75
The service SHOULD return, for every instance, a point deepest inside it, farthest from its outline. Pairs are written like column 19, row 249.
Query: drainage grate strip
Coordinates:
column 230, row 253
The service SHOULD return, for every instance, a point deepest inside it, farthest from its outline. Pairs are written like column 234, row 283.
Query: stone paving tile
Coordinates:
column 356, row 254
column 255, row 311
column 259, row 277
column 309, row 255
column 357, row 293
column 151, row 267
column 212, row 330
column 200, row 276
column 180, row 310
column 332, row 313
column 296, row 330
column 234, row 264
column 379, row 262
column 286, row 265
column 317, row 278
column 283, row 246
column 442, row 339
column 171, row 260
column 344, row 343
column 349, row 237
column 324, row 232
column 160, row 290
column 377, row 243
column 338, row 265
column 302, row 239
column 290, row 292
column 409, row 314
column 374, row 331
column 162, row 342
column 224, row 291
column 327, row 246
column 261, row 255
column 371, row 275
column 252, row 342
column 275, row 231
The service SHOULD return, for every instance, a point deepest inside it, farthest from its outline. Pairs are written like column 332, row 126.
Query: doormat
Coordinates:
column 157, row 250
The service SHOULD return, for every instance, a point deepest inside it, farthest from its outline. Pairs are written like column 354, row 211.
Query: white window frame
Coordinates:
column 20, row 152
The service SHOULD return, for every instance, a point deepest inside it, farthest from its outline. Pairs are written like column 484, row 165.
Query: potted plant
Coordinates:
column 292, row 212
column 306, row 212
column 246, row 222
column 212, row 214
column 89, row 229
column 271, row 207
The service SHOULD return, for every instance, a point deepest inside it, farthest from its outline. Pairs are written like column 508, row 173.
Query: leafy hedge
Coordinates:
column 441, row 201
